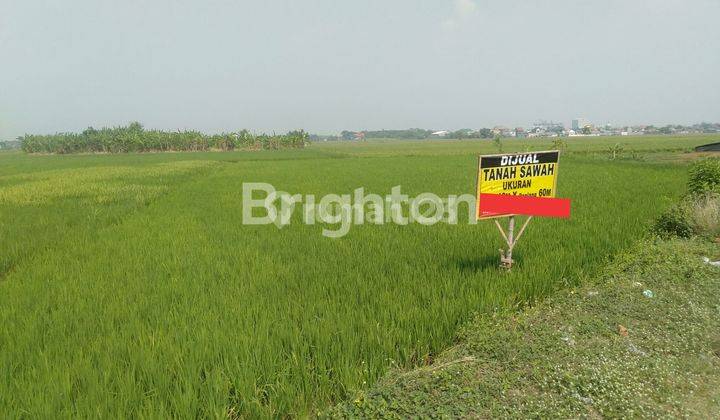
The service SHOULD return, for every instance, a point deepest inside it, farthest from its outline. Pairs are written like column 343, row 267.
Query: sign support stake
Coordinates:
column 506, row 260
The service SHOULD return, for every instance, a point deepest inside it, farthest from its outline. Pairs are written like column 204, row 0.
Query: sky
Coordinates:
column 329, row 65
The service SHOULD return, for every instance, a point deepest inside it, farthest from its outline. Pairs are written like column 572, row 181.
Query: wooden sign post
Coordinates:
column 506, row 260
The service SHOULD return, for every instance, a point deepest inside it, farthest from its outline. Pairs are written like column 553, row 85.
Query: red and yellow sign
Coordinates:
column 531, row 175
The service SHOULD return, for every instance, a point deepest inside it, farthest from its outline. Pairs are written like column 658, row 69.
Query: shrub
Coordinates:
column 559, row 144
column 674, row 222
column 615, row 150
column 699, row 212
column 695, row 215
column 705, row 177
column 498, row 143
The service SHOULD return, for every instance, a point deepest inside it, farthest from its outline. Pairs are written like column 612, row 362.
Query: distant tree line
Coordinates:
column 10, row 145
column 407, row 134
column 487, row 133
column 134, row 138
column 466, row 133
column 411, row 133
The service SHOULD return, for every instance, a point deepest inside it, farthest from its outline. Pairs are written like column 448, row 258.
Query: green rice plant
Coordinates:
column 130, row 288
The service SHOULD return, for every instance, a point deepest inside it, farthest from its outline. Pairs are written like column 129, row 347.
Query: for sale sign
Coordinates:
column 532, row 174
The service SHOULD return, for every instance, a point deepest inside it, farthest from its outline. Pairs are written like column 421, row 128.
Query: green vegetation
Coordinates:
column 130, row 288
column 559, row 144
column 699, row 211
column 134, row 138
column 641, row 341
column 9, row 145
column 615, row 150
column 409, row 134
column 705, row 177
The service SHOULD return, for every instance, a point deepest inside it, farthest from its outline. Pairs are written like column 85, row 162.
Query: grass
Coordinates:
column 604, row 349
column 704, row 215
column 129, row 287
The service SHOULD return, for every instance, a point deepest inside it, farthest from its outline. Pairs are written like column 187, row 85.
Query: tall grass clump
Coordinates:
column 704, row 215
column 699, row 212
column 134, row 138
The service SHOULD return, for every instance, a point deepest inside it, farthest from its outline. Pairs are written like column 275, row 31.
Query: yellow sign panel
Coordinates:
column 530, row 174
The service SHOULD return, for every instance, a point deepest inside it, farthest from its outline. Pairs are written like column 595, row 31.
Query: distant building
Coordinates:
column 549, row 126
column 501, row 131
column 352, row 135
column 579, row 123
column 441, row 133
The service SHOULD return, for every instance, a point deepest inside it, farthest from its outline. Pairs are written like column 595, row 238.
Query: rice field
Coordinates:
column 130, row 288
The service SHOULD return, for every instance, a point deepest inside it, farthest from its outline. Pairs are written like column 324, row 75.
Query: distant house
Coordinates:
column 352, row 135
column 441, row 133
column 501, row 131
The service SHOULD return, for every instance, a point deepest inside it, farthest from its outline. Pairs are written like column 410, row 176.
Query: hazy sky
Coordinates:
column 328, row 65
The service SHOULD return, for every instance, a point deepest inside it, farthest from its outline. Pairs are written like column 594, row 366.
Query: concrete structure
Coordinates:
column 579, row 123
column 712, row 147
